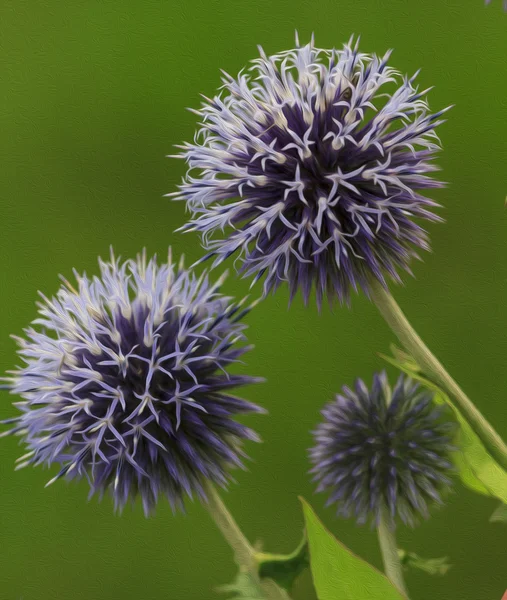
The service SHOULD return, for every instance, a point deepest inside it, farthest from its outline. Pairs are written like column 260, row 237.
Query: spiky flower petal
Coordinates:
column 383, row 447
column 125, row 383
column 312, row 160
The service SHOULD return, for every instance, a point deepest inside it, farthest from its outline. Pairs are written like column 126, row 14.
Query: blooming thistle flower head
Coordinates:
column 312, row 159
column 383, row 447
column 125, row 383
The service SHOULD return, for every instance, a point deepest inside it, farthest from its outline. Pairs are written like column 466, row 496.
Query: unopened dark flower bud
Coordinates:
column 383, row 447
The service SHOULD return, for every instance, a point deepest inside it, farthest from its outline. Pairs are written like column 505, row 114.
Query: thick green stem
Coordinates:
column 244, row 553
column 430, row 365
column 390, row 557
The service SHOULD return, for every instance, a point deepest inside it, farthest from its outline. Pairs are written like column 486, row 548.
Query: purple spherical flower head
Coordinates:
column 125, row 383
column 312, row 159
column 383, row 447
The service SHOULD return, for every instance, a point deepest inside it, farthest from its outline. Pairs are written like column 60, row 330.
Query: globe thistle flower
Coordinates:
column 313, row 159
column 125, row 383
column 383, row 447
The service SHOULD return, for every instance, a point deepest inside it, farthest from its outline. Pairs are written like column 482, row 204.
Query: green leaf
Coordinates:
column 500, row 514
column 242, row 588
column 338, row 574
column 284, row 569
column 478, row 470
column 432, row 566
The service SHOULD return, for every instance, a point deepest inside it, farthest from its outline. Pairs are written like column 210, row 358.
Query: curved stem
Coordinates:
column 414, row 345
column 390, row 557
column 244, row 553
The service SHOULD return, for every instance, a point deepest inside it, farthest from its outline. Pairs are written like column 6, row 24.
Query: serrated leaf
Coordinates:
column 432, row 566
column 242, row 588
column 500, row 514
column 477, row 469
column 337, row 573
column 284, row 569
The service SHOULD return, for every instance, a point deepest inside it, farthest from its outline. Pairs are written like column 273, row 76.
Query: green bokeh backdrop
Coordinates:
column 92, row 99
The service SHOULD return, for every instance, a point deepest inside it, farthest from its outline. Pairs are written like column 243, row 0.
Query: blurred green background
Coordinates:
column 92, row 99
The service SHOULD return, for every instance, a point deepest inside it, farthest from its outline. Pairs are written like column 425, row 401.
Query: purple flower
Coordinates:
column 383, row 447
column 311, row 159
column 125, row 383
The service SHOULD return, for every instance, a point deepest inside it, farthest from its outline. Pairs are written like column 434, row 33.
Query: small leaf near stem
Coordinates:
column 390, row 556
column 432, row 367
column 431, row 566
column 284, row 568
column 242, row 588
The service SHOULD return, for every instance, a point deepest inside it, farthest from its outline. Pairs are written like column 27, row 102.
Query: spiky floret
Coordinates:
column 125, row 383
column 311, row 158
column 383, row 447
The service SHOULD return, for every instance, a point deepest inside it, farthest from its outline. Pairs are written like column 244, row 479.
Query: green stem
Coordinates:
column 244, row 552
column 430, row 365
column 390, row 557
